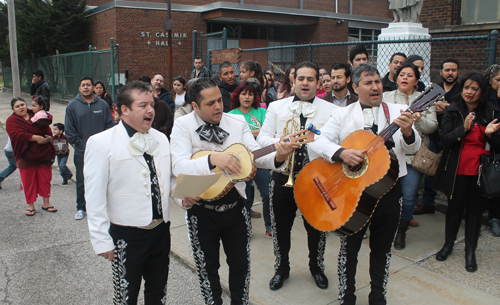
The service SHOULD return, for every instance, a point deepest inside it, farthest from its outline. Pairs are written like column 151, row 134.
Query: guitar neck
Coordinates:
column 263, row 151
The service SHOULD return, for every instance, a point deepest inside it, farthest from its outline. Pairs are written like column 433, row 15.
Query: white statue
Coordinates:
column 406, row 10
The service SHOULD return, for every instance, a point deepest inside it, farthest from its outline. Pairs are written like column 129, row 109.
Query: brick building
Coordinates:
column 138, row 26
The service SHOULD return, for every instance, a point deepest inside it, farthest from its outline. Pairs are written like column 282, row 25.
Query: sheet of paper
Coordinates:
column 192, row 186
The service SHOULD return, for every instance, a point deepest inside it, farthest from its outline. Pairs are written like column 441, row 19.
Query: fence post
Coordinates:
column 224, row 38
column 310, row 52
column 195, row 44
column 209, row 60
column 493, row 47
column 117, row 66
column 201, row 45
column 112, row 68
column 90, row 59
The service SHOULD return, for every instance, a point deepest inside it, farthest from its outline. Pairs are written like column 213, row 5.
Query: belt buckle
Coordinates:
column 222, row 208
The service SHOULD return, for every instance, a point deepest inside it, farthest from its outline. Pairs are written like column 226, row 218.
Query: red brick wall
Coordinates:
column 278, row 3
column 135, row 54
column 439, row 13
column 184, row 2
column 374, row 8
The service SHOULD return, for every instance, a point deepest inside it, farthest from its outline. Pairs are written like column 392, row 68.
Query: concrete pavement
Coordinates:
column 416, row 277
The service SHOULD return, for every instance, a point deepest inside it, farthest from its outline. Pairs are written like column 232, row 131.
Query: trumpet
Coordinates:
column 294, row 127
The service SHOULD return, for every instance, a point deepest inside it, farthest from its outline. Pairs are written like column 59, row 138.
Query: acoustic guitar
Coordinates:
column 247, row 160
column 342, row 198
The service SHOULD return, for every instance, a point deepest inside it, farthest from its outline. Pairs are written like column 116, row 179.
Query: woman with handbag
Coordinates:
column 426, row 123
column 34, row 154
column 468, row 128
column 493, row 78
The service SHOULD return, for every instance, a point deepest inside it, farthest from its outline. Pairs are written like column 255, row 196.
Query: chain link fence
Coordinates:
column 63, row 72
column 473, row 53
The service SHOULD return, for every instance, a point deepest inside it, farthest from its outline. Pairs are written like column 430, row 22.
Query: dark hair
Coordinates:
column 197, row 86
column 40, row 100
column 124, row 96
column 181, row 79
column 483, row 99
column 38, row 73
column 145, row 79
column 492, row 71
column 87, row 78
column 257, row 69
column 59, row 126
column 198, row 57
column 409, row 65
column 223, row 65
column 357, row 49
column 447, row 60
column 103, row 87
column 413, row 58
column 397, row 54
column 347, row 70
column 287, row 86
column 244, row 87
column 358, row 71
column 14, row 100
column 307, row 64
column 272, row 80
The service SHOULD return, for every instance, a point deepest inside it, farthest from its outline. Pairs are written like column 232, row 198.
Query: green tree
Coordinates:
column 44, row 27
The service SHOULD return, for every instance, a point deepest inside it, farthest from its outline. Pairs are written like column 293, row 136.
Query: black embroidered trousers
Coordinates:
column 140, row 253
column 383, row 227
column 283, row 212
column 207, row 228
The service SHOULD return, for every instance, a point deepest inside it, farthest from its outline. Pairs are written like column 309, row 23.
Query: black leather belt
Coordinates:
column 219, row 207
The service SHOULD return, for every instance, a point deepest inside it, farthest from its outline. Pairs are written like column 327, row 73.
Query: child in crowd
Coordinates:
column 41, row 118
column 61, row 145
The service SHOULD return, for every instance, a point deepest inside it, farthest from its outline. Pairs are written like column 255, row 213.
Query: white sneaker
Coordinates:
column 80, row 214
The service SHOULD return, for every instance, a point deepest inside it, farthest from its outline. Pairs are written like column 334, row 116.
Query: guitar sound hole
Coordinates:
column 357, row 171
column 357, row 168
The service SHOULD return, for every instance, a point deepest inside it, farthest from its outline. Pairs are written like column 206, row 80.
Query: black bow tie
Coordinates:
column 212, row 133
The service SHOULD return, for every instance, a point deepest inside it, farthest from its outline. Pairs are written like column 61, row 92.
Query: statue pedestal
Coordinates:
column 404, row 31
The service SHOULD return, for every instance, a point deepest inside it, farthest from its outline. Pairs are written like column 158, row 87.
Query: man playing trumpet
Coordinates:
column 290, row 115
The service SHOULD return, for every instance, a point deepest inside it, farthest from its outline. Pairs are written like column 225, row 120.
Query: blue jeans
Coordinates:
column 12, row 165
column 80, row 188
column 63, row 169
column 429, row 192
column 409, row 187
column 262, row 179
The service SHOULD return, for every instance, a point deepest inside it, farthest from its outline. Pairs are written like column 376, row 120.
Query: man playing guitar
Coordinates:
column 224, row 219
column 368, row 113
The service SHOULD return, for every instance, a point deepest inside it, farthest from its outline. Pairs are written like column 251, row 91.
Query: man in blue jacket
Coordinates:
column 86, row 115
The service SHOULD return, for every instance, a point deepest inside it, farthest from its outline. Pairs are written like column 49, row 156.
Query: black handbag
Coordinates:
column 489, row 175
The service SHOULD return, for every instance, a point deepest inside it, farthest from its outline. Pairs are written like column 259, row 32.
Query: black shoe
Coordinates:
column 65, row 181
column 470, row 260
column 443, row 254
column 424, row 209
column 277, row 281
column 400, row 240
column 321, row 280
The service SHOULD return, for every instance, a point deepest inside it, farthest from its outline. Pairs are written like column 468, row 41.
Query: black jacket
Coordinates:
column 168, row 98
column 452, row 135
column 204, row 72
column 226, row 92
column 41, row 89
column 388, row 85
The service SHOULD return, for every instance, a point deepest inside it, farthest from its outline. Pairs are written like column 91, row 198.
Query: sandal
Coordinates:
column 50, row 209
column 30, row 212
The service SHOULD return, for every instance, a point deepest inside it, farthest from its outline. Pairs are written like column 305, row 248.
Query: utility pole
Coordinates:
column 14, row 62
column 168, row 27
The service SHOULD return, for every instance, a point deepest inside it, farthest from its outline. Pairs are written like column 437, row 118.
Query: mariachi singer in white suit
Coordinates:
column 368, row 113
column 127, row 184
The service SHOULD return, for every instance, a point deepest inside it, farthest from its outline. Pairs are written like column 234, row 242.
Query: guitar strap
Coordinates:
column 390, row 142
column 386, row 112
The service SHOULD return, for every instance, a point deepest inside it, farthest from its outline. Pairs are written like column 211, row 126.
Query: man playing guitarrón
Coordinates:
column 368, row 113
column 226, row 219
column 302, row 109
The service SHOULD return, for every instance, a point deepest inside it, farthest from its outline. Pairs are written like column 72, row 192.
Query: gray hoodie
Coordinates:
column 84, row 120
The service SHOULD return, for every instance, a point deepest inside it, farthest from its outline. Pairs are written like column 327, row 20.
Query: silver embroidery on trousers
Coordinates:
column 119, row 271
column 246, row 289
column 320, row 260
column 277, row 254
column 199, row 260
column 386, row 275
column 341, row 268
